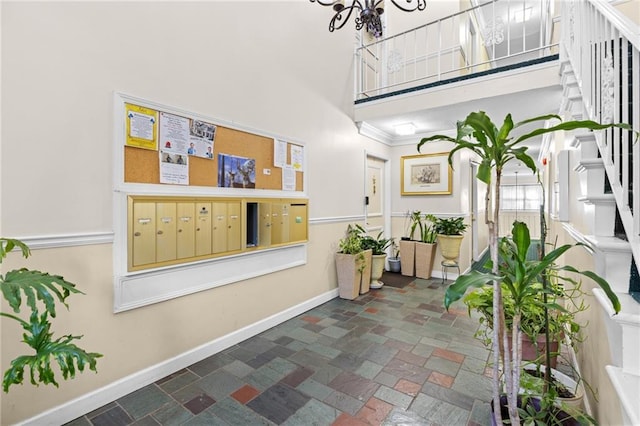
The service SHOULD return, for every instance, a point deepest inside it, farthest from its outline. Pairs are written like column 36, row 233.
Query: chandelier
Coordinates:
column 367, row 13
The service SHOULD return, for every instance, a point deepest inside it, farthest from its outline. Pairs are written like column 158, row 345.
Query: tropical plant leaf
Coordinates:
column 604, row 285
column 62, row 351
column 573, row 125
column 35, row 285
column 473, row 279
column 522, row 239
column 8, row 244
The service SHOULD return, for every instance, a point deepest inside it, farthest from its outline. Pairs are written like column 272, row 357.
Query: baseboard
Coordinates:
column 86, row 403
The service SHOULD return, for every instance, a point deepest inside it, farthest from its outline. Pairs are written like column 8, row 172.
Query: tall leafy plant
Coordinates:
column 495, row 147
column 40, row 292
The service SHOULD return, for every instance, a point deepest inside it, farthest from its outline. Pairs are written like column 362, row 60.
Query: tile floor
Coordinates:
column 390, row 357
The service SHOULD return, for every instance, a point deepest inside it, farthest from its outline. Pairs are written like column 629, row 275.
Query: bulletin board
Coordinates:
column 142, row 163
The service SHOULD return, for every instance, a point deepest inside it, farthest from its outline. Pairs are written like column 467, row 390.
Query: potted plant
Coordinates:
column 425, row 248
column 378, row 247
column 394, row 259
column 352, row 266
column 408, row 244
column 41, row 292
column 495, row 147
column 449, row 231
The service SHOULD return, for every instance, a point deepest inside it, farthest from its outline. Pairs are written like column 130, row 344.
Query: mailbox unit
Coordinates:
column 166, row 231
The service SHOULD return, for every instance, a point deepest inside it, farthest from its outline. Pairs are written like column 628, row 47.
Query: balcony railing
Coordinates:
column 492, row 35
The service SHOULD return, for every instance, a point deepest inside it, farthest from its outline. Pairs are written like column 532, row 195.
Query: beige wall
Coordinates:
column 62, row 62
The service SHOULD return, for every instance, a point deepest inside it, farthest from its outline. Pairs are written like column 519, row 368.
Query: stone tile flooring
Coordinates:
column 390, row 357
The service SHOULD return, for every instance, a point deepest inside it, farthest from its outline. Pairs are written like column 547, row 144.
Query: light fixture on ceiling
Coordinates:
column 368, row 13
column 405, row 129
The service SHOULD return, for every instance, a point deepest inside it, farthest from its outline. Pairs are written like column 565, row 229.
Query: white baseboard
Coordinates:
column 91, row 401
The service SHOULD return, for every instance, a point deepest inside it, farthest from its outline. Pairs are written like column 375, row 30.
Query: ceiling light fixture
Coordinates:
column 405, row 129
column 368, row 13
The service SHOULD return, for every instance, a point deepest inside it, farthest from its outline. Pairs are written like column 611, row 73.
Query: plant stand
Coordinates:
column 448, row 264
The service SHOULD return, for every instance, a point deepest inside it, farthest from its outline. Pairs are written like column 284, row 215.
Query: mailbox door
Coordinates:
column 276, row 223
column 165, row 232
column 298, row 222
column 264, row 224
column 186, row 230
column 219, row 227
column 234, row 226
column 144, row 233
column 203, row 229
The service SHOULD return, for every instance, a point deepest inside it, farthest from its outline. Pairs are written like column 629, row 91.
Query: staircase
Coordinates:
column 600, row 66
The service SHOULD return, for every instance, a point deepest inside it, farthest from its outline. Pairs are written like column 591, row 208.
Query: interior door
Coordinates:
column 375, row 196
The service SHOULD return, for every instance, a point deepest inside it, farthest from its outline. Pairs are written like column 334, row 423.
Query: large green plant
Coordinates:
column 495, row 148
column 41, row 292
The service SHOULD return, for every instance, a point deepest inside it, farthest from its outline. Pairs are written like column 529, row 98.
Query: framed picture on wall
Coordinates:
column 425, row 174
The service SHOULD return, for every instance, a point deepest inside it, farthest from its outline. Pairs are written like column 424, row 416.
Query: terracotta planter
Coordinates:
column 531, row 353
column 377, row 268
column 407, row 257
column 365, row 280
column 349, row 277
column 425, row 256
column 450, row 247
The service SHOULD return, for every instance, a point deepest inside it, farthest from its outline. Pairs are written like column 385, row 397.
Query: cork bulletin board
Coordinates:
column 142, row 165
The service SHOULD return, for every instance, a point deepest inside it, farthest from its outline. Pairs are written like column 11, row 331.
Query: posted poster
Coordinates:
column 288, row 178
column 236, row 172
column 174, row 133
column 297, row 158
column 142, row 127
column 174, row 168
column 202, row 135
column 279, row 153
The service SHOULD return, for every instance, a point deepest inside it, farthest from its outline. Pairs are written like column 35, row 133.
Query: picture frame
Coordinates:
column 425, row 174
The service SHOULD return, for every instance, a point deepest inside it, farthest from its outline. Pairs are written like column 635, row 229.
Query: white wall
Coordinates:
column 62, row 62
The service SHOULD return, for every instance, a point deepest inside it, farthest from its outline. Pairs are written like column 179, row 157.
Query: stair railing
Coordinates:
column 603, row 49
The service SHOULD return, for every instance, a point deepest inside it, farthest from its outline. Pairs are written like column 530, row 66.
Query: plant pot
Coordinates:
column 365, row 280
column 407, row 257
column 561, row 417
column 349, row 276
column 394, row 264
column 450, row 248
column 425, row 256
column 377, row 268
column 532, row 353
column 574, row 400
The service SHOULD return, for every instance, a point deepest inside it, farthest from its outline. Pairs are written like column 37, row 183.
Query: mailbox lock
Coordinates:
column 197, row 229
column 179, row 230
column 136, row 234
column 160, row 232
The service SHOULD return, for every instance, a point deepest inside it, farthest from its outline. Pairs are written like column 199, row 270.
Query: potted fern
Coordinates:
column 42, row 294
column 449, row 231
column 378, row 246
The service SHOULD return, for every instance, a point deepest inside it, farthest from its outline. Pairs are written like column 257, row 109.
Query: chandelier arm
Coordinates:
column 421, row 5
column 339, row 15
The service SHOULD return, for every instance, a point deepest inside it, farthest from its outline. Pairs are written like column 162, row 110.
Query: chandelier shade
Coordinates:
column 367, row 12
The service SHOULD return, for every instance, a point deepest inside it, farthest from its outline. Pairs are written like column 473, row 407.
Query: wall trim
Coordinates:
column 86, row 403
column 37, row 242
column 336, row 219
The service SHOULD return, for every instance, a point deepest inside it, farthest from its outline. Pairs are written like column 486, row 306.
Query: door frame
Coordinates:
column 386, row 192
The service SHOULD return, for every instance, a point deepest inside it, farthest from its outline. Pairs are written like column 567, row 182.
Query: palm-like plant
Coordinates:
column 42, row 292
column 495, row 147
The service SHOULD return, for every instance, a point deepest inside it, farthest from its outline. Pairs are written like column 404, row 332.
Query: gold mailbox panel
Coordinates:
column 298, row 222
column 203, row 229
column 168, row 230
column 144, row 233
column 234, row 226
column 166, row 249
column 185, row 239
column 279, row 223
column 264, row 224
column 219, row 226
